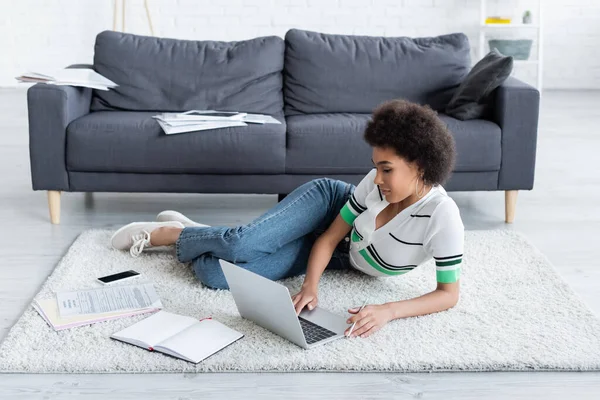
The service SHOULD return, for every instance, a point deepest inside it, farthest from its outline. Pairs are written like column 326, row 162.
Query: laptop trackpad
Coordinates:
column 326, row 319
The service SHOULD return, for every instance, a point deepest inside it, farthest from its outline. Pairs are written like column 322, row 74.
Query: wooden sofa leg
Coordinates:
column 510, row 204
column 54, row 206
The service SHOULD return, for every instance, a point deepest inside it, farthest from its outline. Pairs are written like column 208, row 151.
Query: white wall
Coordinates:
column 48, row 34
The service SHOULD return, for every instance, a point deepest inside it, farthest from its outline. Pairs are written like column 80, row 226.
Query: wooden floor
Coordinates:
column 560, row 216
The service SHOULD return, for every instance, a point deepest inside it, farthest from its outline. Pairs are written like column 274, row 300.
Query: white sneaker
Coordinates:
column 170, row 215
column 136, row 236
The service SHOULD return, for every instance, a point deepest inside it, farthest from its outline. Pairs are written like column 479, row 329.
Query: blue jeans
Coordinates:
column 277, row 244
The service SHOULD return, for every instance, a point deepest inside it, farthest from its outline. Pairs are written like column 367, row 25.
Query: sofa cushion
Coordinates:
column 473, row 97
column 327, row 144
column 327, row 73
column 118, row 141
column 334, row 144
column 157, row 74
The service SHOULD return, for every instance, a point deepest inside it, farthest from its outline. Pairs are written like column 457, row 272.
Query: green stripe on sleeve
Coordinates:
column 448, row 263
column 347, row 215
column 450, row 276
column 355, row 237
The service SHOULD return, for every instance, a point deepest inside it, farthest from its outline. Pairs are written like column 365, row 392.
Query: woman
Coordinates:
column 398, row 217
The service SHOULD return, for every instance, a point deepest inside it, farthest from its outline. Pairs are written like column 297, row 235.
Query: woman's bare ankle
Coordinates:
column 164, row 236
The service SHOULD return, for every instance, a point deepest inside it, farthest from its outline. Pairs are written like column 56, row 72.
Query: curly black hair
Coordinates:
column 416, row 134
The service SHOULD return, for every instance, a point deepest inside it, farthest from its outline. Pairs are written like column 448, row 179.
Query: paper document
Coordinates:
column 208, row 115
column 109, row 299
column 48, row 309
column 195, row 116
column 259, row 119
column 84, row 77
column 201, row 120
column 88, row 85
column 198, row 126
column 201, row 116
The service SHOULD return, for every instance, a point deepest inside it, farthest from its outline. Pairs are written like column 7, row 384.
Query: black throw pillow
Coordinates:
column 471, row 99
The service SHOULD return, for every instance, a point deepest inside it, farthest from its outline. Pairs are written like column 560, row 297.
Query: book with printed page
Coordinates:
column 48, row 310
column 179, row 336
column 68, row 309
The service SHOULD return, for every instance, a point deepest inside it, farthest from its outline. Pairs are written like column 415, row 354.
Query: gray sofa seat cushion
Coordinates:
column 327, row 73
column 333, row 144
column 156, row 74
column 117, row 141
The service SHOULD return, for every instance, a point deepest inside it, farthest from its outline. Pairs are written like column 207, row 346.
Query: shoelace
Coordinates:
column 140, row 241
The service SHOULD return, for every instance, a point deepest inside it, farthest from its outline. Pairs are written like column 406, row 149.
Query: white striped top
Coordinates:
column 431, row 227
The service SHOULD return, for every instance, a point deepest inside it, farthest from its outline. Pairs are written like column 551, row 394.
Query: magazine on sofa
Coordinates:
column 201, row 120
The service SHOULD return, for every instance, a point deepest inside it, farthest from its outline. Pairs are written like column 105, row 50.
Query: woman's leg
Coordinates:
column 290, row 260
column 285, row 262
column 307, row 208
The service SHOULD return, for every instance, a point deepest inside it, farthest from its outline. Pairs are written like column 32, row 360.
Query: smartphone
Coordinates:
column 119, row 277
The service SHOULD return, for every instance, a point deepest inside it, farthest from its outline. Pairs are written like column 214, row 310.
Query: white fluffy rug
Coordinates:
column 515, row 313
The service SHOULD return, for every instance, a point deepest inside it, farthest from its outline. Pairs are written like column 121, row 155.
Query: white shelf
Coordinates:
column 510, row 26
column 494, row 29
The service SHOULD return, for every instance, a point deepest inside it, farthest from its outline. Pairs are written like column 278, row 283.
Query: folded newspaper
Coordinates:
column 201, row 120
column 83, row 77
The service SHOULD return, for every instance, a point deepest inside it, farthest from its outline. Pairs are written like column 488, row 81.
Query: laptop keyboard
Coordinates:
column 313, row 332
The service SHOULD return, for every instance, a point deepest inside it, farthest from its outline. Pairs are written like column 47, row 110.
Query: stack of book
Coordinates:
column 201, row 120
column 71, row 77
column 67, row 310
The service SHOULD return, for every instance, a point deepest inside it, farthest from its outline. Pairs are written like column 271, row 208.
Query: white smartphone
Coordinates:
column 119, row 277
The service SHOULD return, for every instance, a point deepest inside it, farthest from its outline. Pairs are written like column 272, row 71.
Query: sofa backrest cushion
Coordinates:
column 325, row 73
column 156, row 74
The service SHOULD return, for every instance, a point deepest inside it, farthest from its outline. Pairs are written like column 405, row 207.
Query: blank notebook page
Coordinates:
column 201, row 340
column 156, row 328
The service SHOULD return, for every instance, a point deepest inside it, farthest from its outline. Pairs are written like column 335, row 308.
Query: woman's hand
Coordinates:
column 306, row 297
column 371, row 319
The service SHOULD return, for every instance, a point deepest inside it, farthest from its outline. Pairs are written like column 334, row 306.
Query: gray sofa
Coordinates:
column 321, row 87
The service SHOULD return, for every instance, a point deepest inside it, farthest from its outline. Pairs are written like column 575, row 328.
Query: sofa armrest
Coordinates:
column 516, row 111
column 51, row 108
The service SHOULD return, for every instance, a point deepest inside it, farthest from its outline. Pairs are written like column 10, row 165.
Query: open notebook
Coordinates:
column 179, row 336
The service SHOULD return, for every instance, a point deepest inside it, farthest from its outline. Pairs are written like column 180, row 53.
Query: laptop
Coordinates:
column 269, row 304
